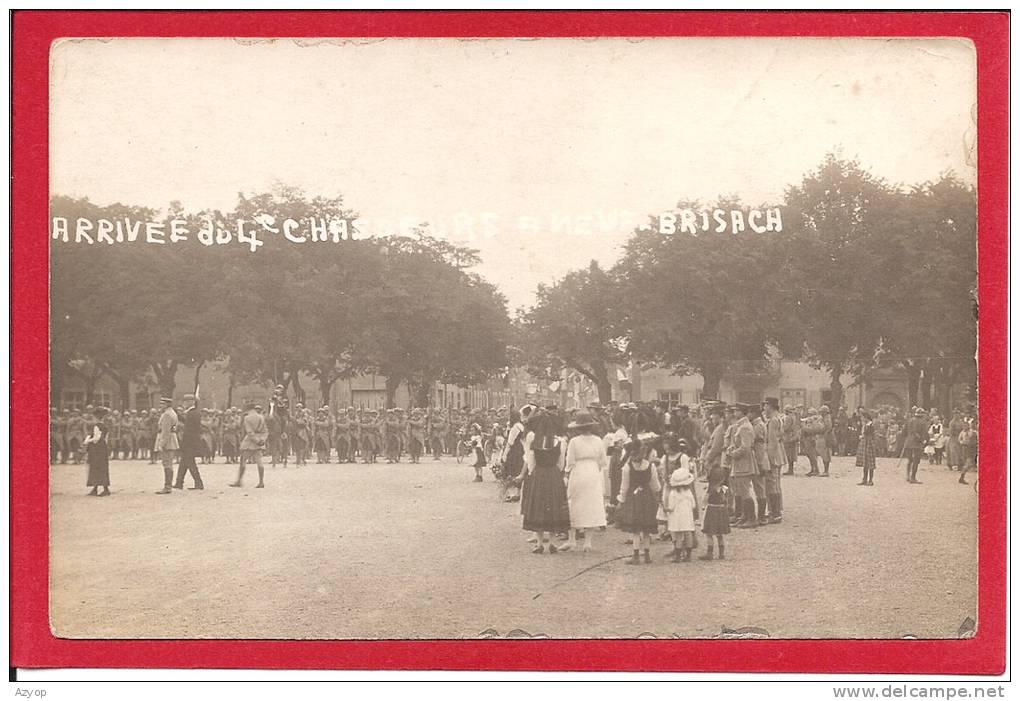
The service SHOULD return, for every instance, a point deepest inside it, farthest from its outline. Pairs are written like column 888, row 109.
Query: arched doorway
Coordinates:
column 886, row 399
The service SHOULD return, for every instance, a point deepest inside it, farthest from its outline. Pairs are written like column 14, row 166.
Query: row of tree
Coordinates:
column 405, row 308
column 864, row 274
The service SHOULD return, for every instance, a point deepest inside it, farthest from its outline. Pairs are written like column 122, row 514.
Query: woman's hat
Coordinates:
column 582, row 419
column 681, row 478
column 527, row 411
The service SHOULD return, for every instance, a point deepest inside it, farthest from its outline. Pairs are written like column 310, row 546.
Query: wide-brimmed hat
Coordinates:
column 582, row 420
column 681, row 477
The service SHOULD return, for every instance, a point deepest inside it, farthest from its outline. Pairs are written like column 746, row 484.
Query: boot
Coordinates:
column 722, row 551
column 763, row 519
column 648, row 558
column 748, row 521
column 708, row 554
column 775, row 515
column 94, row 492
column 675, row 556
column 634, row 559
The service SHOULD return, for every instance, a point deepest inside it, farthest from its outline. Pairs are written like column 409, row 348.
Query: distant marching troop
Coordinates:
column 573, row 471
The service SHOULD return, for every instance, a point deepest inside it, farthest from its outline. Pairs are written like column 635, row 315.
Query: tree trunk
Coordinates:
column 125, row 393
column 913, row 376
column 198, row 374
column 299, row 391
column 326, row 383
column 943, row 385
column 836, row 389
column 90, row 386
column 711, row 373
column 924, row 400
column 392, row 383
column 230, row 390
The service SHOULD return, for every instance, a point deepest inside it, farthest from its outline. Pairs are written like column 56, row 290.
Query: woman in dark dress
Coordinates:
column 544, row 503
column 98, row 456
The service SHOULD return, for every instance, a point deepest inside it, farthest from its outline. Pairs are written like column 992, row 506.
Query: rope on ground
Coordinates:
column 578, row 574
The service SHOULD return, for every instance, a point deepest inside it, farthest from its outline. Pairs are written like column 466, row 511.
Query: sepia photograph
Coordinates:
column 513, row 338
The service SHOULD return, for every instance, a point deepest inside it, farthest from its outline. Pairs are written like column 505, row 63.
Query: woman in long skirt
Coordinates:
column 98, row 451
column 544, row 504
column 866, row 451
column 586, row 466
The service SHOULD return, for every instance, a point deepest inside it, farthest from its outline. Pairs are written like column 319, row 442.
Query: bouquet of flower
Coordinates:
column 503, row 477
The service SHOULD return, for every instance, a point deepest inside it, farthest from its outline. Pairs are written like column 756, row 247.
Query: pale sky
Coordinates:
column 584, row 137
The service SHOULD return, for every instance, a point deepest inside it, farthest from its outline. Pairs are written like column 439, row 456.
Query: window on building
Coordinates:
column 71, row 399
column 101, row 398
column 792, row 397
column 692, row 396
column 826, row 396
column 670, row 397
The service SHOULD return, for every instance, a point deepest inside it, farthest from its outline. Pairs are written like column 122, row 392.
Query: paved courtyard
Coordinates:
column 419, row 551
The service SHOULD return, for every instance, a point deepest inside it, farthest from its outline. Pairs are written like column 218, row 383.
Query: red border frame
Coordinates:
column 33, row 645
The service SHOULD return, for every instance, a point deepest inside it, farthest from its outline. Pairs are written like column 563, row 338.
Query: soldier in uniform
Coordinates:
column 437, row 434
column 322, row 439
column 791, row 436
column 762, row 466
column 810, row 429
column 416, row 435
column 208, row 447
column 367, row 435
column 230, row 441
column 913, row 443
column 299, row 434
column 167, row 443
column 741, row 456
column 151, row 432
column 192, row 444
column 393, row 427
column 342, row 433
column 355, row 416
column 825, row 442
column 776, row 452
column 256, row 432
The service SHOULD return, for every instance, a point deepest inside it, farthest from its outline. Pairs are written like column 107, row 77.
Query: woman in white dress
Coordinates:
column 586, row 464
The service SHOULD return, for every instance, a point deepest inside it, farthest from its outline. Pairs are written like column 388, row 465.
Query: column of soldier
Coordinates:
column 295, row 433
column 349, row 435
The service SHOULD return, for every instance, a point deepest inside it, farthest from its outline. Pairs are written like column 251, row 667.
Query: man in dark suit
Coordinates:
column 191, row 444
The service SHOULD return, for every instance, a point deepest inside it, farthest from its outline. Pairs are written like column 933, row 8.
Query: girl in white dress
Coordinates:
column 682, row 513
column 585, row 466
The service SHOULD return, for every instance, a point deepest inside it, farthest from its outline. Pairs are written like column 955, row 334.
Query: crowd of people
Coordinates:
column 636, row 466
column 618, row 442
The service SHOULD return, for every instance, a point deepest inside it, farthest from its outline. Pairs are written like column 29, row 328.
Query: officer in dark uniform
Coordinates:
column 192, row 445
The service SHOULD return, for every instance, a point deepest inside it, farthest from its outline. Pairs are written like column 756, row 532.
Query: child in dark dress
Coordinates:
column 716, row 522
column 639, row 501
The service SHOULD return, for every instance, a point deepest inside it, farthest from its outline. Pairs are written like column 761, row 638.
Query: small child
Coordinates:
column 477, row 447
column 638, row 500
column 716, row 521
column 682, row 513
